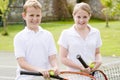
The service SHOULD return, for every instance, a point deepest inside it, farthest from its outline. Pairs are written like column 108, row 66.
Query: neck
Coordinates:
column 83, row 29
column 35, row 29
column 83, row 32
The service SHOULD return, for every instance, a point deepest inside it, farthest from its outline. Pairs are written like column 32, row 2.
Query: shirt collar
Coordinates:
column 73, row 31
column 92, row 30
column 39, row 27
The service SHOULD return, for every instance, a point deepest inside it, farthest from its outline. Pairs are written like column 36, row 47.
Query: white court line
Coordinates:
column 7, row 77
column 4, row 77
column 6, row 66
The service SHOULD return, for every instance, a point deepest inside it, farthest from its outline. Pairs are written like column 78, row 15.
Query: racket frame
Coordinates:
column 58, row 77
column 40, row 74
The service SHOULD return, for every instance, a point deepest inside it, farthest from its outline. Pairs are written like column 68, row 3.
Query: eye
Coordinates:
column 85, row 17
column 38, row 15
column 78, row 17
column 31, row 15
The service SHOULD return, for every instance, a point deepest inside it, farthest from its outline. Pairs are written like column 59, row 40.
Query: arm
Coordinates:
column 98, row 59
column 66, row 61
column 25, row 65
column 53, row 62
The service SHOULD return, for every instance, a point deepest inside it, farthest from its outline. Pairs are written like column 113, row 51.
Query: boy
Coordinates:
column 34, row 47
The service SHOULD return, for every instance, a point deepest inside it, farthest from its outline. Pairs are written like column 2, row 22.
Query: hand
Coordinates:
column 45, row 73
column 55, row 70
column 96, row 65
column 87, row 70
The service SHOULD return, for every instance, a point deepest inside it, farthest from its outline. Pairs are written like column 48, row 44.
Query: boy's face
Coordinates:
column 32, row 17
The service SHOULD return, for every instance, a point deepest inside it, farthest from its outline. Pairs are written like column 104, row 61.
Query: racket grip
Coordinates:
column 82, row 61
column 30, row 73
column 40, row 74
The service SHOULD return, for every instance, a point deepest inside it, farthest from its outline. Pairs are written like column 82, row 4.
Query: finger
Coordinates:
column 46, row 74
column 57, row 72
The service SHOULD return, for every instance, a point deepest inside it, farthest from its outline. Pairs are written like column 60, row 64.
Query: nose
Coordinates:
column 81, row 19
column 34, row 18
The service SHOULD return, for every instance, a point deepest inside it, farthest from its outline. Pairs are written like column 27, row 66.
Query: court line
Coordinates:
column 5, row 77
column 6, row 66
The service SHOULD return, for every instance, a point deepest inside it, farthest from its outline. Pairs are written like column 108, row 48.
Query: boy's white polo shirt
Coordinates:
column 72, row 41
column 35, row 47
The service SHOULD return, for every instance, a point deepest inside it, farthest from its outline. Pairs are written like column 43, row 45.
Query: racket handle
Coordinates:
column 30, row 73
column 82, row 61
column 40, row 74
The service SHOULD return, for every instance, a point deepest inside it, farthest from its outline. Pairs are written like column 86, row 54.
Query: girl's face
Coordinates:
column 32, row 17
column 81, row 18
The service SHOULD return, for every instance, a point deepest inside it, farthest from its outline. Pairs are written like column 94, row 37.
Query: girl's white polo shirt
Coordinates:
column 75, row 45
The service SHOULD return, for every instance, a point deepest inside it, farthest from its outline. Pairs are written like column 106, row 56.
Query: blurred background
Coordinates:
column 57, row 15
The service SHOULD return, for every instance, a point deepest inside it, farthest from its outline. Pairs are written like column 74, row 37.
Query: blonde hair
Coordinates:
column 32, row 3
column 83, row 6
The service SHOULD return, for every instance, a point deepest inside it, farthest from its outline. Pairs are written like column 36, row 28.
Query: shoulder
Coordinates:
column 19, row 37
column 68, row 31
column 46, row 32
column 23, row 34
column 19, row 34
column 94, row 30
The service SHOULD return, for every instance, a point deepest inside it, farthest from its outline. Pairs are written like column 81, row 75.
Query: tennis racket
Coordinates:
column 64, row 75
column 40, row 74
column 98, row 74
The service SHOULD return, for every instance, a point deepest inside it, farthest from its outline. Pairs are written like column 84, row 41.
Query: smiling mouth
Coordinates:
column 81, row 23
column 34, row 23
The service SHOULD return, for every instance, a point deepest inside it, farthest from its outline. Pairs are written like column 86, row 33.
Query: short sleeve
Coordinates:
column 19, row 48
column 52, row 47
column 63, row 39
column 99, row 40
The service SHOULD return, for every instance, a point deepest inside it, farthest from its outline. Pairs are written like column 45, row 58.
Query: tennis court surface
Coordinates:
column 8, row 66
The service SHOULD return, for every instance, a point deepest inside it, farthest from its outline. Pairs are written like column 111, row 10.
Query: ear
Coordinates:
column 73, row 14
column 23, row 15
column 90, row 15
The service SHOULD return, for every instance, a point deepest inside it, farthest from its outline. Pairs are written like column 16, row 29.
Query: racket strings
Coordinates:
column 112, row 70
column 99, row 76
